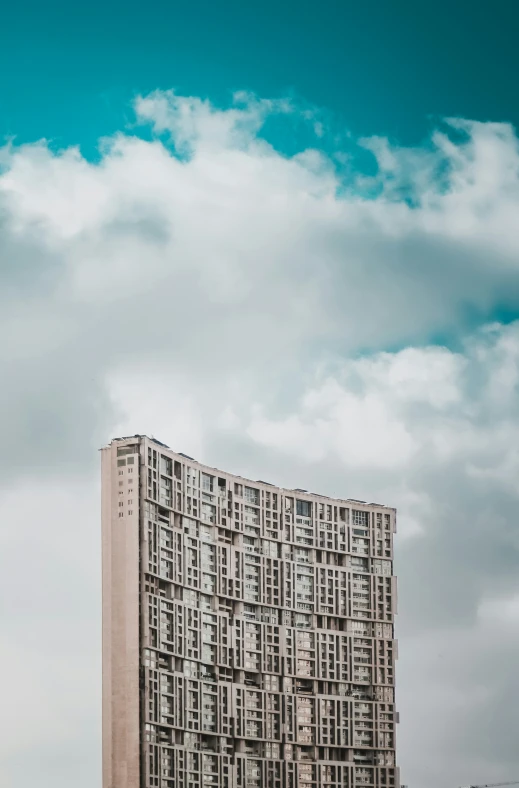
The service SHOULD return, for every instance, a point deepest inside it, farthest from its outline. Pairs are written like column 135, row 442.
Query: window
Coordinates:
column 207, row 482
column 251, row 495
column 251, row 515
column 165, row 491
column 360, row 518
column 127, row 450
column 208, row 512
column 165, row 465
column 303, row 508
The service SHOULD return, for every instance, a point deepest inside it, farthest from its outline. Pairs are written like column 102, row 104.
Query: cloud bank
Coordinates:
column 280, row 316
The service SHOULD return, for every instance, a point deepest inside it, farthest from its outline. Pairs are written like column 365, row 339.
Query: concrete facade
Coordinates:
column 248, row 630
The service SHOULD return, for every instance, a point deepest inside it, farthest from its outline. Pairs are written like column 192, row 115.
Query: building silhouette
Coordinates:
column 248, row 636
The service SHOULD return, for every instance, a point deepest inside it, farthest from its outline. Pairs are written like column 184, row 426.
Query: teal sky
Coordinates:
column 69, row 71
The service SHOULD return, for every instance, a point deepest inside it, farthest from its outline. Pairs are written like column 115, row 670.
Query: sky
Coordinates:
column 282, row 239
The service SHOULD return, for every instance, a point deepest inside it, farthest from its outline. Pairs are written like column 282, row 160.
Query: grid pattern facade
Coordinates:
column 266, row 651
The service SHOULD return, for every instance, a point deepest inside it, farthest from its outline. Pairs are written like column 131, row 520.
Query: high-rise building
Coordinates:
column 247, row 630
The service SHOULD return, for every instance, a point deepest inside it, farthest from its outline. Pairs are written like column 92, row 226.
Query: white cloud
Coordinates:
column 195, row 124
column 429, row 375
column 500, row 611
column 50, row 643
column 245, row 306
column 384, row 410
column 153, row 403
column 358, row 431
